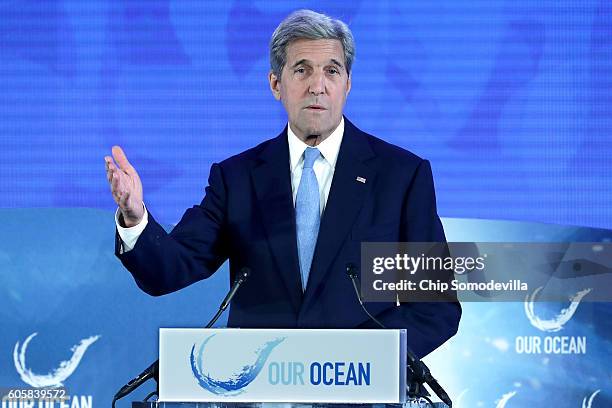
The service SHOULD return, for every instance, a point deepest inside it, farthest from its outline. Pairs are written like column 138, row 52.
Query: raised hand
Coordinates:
column 125, row 186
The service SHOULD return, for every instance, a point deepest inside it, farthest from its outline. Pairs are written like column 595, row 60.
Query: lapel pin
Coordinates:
column 361, row 180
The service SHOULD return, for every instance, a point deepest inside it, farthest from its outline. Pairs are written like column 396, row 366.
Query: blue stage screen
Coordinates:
column 511, row 101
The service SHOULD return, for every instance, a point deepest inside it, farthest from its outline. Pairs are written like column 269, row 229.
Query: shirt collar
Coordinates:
column 329, row 148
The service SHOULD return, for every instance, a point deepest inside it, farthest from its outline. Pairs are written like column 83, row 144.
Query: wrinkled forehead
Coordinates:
column 316, row 52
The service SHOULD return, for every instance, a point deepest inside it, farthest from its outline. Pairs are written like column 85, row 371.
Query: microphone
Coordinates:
column 242, row 276
column 153, row 370
column 150, row 372
column 419, row 370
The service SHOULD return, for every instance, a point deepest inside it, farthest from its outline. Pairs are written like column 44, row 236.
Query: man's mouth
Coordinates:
column 315, row 107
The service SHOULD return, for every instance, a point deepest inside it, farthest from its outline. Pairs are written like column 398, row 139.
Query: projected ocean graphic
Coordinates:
column 58, row 376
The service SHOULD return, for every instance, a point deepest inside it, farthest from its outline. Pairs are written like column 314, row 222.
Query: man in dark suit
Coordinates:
column 295, row 208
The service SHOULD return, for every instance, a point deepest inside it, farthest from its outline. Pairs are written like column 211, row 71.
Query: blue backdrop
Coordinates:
column 511, row 101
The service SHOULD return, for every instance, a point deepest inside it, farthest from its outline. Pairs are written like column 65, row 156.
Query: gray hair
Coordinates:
column 307, row 24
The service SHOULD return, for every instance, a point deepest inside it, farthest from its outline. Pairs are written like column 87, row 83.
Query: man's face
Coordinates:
column 313, row 87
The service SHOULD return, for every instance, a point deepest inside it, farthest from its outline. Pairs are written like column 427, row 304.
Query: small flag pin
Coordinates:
column 361, row 179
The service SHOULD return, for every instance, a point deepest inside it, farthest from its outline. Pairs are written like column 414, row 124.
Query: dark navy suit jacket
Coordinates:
column 247, row 216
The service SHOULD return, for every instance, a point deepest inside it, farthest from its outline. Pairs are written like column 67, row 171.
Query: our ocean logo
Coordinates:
column 551, row 344
column 235, row 383
column 57, row 377
column 555, row 324
column 215, row 372
column 501, row 403
column 588, row 403
column 54, row 379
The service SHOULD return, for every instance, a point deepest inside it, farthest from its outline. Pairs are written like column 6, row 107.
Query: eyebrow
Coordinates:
column 337, row 63
column 305, row 61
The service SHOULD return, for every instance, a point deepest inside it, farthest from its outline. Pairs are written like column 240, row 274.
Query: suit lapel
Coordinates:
column 272, row 182
column 345, row 199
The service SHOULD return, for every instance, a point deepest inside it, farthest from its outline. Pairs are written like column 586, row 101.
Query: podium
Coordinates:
column 282, row 368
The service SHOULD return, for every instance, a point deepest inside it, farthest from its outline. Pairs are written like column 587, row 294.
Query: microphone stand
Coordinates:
column 153, row 370
column 420, row 373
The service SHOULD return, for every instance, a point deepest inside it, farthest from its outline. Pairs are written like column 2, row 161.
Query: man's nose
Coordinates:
column 317, row 84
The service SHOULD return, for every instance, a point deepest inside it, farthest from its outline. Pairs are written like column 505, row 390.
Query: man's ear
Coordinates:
column 348, row 84
column 274, row 85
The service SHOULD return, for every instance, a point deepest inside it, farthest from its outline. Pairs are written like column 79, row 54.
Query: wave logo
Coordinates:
column 56, row 377
column 236, row 382
column 556, row 323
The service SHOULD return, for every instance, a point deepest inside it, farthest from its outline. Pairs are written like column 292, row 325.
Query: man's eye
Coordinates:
column 299, row 70
column 333, row 71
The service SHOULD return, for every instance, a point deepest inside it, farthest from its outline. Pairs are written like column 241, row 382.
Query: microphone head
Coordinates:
column 351, row 270
column 244, row 274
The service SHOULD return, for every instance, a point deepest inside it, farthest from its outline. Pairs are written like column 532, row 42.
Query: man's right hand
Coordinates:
column 125, row 186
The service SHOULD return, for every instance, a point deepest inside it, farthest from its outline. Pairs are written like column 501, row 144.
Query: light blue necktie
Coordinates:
column 307, row 213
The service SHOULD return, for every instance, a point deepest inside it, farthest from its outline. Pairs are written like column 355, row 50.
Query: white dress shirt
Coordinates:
column 323, row 167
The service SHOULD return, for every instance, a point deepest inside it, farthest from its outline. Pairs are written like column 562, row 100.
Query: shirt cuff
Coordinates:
column 130, row 235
